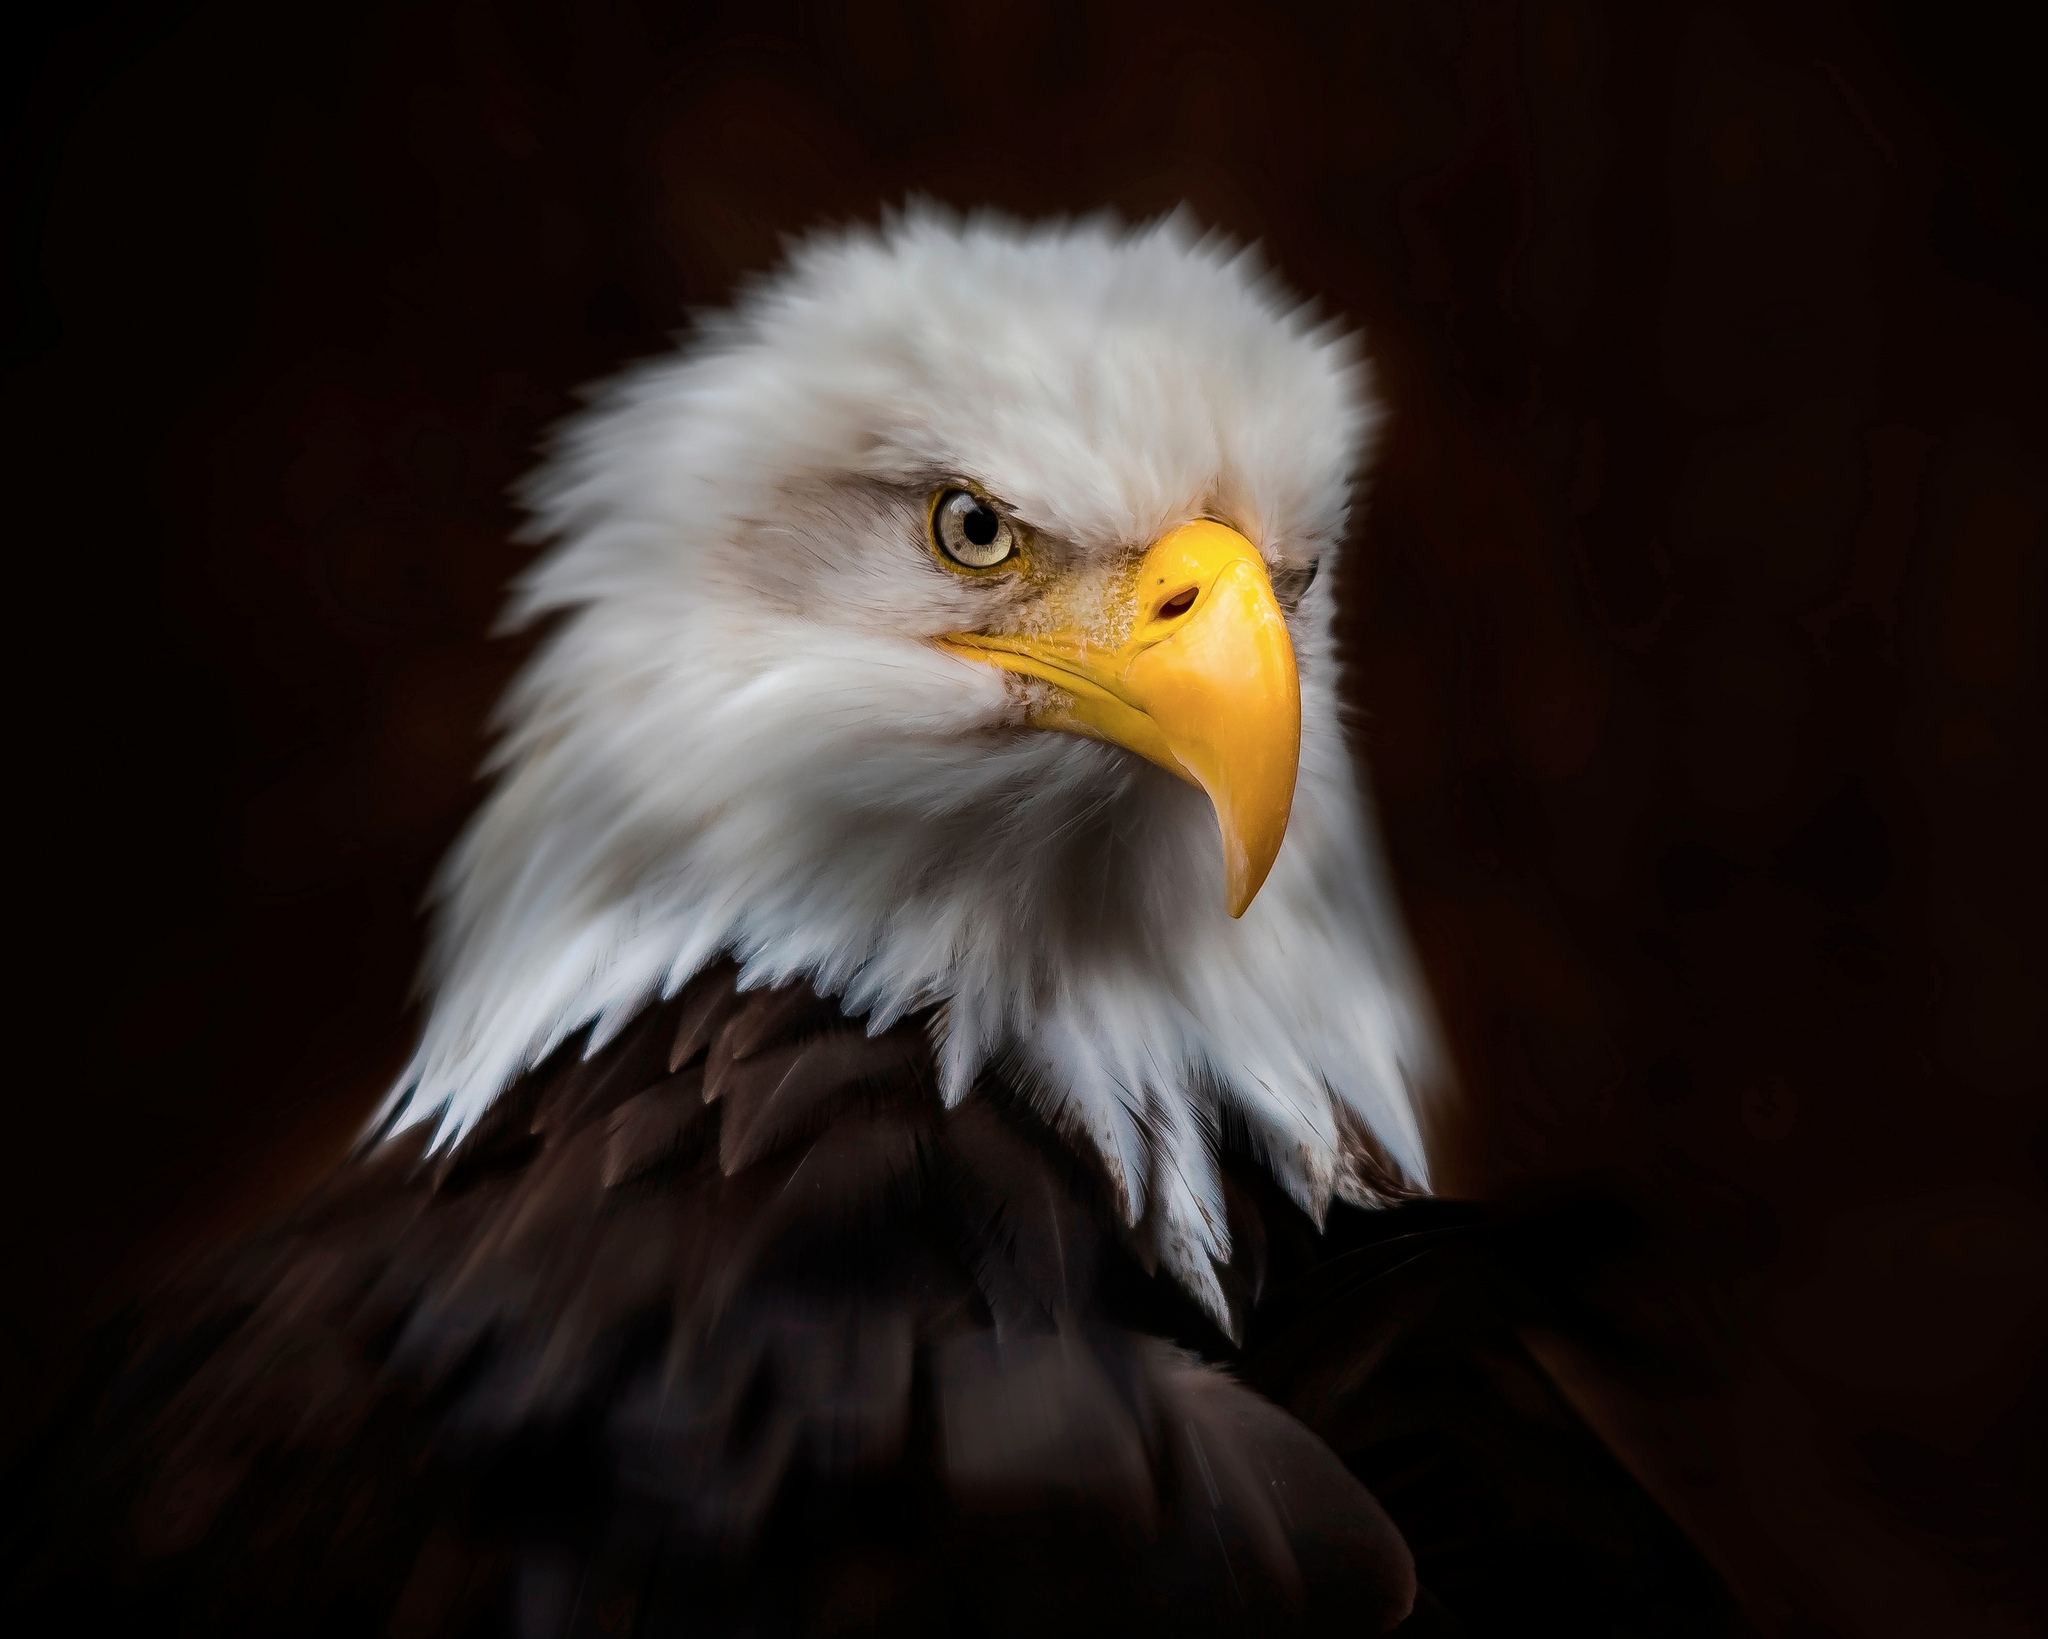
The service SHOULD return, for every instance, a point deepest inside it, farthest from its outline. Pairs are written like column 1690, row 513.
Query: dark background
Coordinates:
column 1696, row 620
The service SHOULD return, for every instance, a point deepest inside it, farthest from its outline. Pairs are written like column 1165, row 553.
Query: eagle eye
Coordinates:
column 970, row 532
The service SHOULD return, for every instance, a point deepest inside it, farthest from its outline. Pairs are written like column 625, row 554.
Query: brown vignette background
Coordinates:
column 1696, row 619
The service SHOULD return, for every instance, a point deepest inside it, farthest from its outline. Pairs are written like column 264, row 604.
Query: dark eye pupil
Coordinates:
column 978, row 524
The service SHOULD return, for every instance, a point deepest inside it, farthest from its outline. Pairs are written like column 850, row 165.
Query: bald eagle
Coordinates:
column 919, row 1121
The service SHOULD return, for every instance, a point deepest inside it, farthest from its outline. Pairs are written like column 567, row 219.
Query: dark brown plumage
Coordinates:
column 732, row 1329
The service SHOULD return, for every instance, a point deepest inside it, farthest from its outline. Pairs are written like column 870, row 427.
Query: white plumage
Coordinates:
column 741, row 737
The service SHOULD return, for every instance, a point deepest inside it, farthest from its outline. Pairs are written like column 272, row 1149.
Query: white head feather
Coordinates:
column 741, row 739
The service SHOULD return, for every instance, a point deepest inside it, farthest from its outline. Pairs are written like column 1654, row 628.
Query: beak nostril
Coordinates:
column 1179, row 604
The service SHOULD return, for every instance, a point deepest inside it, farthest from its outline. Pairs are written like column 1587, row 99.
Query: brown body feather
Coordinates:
column 731, row 1328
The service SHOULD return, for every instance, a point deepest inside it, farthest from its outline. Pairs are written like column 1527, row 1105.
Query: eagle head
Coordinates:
column 949, row 624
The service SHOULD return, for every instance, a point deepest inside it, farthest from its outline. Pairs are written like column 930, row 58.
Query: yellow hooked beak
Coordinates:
column 1204, row 686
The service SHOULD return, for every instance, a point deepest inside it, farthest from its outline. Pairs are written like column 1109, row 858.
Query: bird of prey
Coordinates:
column 919, row 1121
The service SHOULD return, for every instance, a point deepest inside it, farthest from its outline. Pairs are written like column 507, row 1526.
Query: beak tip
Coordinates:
column 1241, row 888
column 1247, row 859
